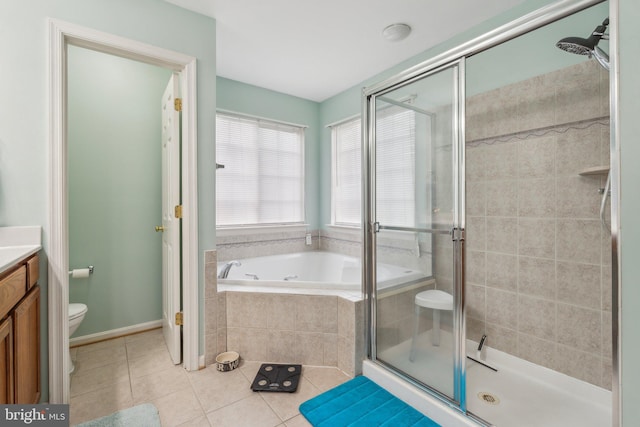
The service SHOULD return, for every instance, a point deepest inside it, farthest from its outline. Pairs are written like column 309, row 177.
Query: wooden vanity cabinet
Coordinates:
column 6, row 361
column 20, row 333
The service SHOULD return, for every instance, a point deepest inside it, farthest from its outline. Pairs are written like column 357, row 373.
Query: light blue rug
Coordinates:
column 145, row 415
column 361, row 403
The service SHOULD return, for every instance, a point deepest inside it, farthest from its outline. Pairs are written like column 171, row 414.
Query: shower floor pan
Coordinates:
column 520, row 394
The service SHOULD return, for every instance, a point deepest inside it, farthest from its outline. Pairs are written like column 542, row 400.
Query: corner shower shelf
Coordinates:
column 596, row 170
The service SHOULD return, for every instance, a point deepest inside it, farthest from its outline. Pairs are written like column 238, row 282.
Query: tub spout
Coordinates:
column 225, row 270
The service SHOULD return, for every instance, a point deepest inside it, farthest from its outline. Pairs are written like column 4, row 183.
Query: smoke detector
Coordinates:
column 396, row 32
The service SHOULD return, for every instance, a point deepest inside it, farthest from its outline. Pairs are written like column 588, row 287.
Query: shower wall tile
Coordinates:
column 576, row 150
column 502, row 271
column 537, row 237
column 580, row 240
column 502, row 307
column 501, row 235
column 529, row 203
column 537, row 277
column 537, row 157
column 579, row 197
column 578, row 364
column 537, row 198
column 580, row 328
column 537, row 317
column 476, row 201
column 501, row 161
column 579, row 284
column 476, row 301
column 475, row 267
column 502, row 338
column 504, row 198
column 536, row 350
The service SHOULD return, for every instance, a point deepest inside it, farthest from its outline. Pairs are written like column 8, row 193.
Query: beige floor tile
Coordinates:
column 199, row 422
column 324, row 378
column 142, row 347
column 217, row 389
column 297, row 421
column 101, row 402
column 285, row 405
column 251, row 411
column 178, row 408
column 159, row 384
column 143, row 335
column 94, row 359
column 102, row 345
column 152, row 362
column 93, row 379
column 249, row 369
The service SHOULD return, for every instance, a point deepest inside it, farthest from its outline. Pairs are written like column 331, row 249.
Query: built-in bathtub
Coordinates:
column 312, row 270
column 307, row 307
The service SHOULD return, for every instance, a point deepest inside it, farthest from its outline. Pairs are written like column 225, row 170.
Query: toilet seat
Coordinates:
column 76, row 310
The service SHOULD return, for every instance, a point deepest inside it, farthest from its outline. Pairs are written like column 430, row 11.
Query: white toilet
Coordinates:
column 76, row 315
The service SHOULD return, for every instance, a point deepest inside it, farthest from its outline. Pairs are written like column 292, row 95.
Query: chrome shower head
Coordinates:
column 588, row 46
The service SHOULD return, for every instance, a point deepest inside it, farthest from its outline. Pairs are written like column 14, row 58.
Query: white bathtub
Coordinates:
column 312, row 270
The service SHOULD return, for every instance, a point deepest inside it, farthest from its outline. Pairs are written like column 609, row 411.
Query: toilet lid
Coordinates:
column 76, row 310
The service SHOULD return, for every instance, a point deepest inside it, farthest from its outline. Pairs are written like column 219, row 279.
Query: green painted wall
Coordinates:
column 629, row 125
column 24, row 126
column 115, row 188
column 256, row 101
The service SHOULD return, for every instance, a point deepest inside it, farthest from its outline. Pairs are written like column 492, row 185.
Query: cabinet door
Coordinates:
column 6, row 361
column 26, row 320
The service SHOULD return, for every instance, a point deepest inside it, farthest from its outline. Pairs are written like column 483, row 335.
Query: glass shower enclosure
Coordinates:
column 414, row 217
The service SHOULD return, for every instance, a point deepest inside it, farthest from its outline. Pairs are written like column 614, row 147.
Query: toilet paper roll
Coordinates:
column 80, row 273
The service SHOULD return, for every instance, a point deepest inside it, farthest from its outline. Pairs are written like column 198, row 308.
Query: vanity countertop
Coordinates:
column 18, row 243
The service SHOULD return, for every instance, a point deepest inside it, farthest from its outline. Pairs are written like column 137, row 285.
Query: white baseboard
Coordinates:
column 114, row 333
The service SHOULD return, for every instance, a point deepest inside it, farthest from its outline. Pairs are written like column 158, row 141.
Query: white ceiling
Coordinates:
column 316, row 49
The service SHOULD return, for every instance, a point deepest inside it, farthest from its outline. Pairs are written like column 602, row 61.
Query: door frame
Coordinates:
column 62, row 34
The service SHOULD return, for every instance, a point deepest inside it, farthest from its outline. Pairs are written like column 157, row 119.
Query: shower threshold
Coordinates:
column 520, row 393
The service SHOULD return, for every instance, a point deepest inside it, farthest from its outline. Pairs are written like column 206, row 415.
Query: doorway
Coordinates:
column 62, row 35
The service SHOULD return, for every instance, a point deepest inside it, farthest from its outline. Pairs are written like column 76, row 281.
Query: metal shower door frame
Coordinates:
column 370, row 227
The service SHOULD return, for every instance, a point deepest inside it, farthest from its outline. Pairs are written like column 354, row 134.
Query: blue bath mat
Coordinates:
column 145, row 415
column 361, row 402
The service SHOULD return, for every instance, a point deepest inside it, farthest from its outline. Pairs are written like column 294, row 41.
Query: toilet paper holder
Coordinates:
column 89, row 267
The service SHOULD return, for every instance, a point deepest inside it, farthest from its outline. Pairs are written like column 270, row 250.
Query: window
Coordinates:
column 346, row 173
column 262, row 182
column 395, row 175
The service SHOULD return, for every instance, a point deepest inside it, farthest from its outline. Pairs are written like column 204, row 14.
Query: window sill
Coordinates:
column 350, row 229
column 261, row 229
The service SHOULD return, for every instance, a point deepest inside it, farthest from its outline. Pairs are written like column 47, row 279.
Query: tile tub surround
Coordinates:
column 315, row 330
column 242, row 245
column 538, row 271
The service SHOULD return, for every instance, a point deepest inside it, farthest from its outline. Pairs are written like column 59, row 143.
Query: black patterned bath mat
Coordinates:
column 277, row 377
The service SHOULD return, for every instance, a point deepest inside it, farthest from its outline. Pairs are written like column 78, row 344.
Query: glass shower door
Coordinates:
column 415, row 231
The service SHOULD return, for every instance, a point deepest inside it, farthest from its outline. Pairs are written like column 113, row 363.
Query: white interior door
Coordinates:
column 170, row 224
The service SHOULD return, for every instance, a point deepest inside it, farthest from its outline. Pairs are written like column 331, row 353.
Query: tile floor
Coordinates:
column 123, row 372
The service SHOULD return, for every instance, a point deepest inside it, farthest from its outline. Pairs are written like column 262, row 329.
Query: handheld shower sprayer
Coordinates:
column 588, row 46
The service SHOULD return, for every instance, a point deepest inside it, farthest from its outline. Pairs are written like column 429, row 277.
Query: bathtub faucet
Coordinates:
column 225, row 270
column 291, row 276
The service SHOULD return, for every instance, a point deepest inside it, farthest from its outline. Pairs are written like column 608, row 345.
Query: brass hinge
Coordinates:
column 177, row 104
column 178, row 211
column 179, row 320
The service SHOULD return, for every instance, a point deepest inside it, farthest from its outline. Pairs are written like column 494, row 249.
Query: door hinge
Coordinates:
column 179, row 320
column 457, row 234
column 178, row 211
column 177, row 104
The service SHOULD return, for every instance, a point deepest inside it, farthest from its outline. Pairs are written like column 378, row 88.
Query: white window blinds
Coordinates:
column 395, row 166
column 395, row 175
column 262, row 181
column 346, row 173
